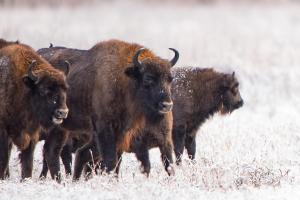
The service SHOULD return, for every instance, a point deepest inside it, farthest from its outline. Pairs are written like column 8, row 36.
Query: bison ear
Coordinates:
column 66, row 67
column 233, row 75
column 28, row 81
column 62, row 65
column 225, row 82
column 132, row 72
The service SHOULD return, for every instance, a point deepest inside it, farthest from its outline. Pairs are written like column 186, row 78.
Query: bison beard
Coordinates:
column 28, row 88
column 120, row 88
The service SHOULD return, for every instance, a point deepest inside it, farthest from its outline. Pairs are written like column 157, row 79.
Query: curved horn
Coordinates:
column 51, row 45
column 176, row 56
column 135, row 58
column 30, row 73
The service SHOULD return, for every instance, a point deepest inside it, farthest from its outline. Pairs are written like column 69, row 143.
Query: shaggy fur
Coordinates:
column 26, row 105
column 121, row 99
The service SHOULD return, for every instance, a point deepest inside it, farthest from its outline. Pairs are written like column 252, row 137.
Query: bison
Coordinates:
column 199, row 94
column 33, row 97
column 117, row 91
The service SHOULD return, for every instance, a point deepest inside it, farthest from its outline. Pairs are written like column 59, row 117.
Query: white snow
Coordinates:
column 252, row 154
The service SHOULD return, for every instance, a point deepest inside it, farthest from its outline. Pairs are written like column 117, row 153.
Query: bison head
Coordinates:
column 231, row 97
column 153, row 81
column 48, row 94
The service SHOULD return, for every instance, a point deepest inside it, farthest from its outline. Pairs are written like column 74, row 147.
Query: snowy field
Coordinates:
column 252, row 154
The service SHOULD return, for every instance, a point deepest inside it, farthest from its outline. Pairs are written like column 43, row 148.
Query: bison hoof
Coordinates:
column 171, row 171
column 58, row 178
column 145, row 170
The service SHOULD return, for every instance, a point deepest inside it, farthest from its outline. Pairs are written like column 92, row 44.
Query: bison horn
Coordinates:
column 176, row 56
column 30, row 73
column 135, row 58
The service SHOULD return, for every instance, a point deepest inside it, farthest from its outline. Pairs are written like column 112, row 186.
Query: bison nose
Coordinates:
column 165, row 106
column 61, row 113
column 240, row 103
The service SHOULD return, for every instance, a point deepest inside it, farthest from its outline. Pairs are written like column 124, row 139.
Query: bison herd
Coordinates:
column 99, row 103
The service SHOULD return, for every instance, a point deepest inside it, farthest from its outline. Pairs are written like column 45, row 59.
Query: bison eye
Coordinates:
column 54, row 100
column 233, row 91
column 148, row 81
column 170, row 79
column 44, row 92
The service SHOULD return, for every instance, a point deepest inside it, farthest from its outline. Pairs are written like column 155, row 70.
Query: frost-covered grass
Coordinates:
column 252, row 154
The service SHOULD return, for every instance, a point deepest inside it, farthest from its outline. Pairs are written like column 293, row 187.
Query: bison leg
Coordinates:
column 26, row 157
column 166, row 156
column 143, row 156
column 66, row 157
column 108, row 145
column 52, row 149
column 44, row 169
column 178, row 141
column 4, row 154
column 119, row 157
column 7, row 174
column 88, row 152
column 190, row 145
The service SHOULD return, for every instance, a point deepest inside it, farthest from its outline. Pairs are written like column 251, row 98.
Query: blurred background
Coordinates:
column 56, row 3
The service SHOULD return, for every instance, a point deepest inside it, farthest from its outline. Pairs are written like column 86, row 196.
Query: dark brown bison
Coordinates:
column 199, row 94
column 33, row 97
column 117, row 91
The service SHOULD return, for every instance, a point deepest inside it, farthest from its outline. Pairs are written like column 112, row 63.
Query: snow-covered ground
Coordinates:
column 252, row 154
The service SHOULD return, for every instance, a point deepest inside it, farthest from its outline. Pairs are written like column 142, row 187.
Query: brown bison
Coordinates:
column 33, row 97
column 197, row 95
column 117, row 91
